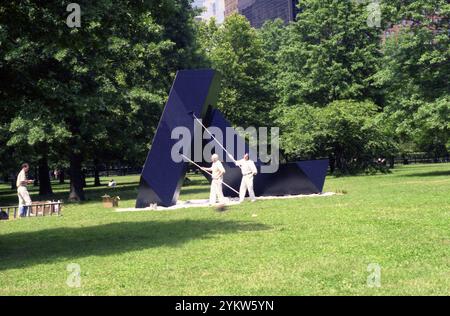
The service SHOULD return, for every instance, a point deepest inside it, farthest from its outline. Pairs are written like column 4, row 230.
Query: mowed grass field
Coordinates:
column 308, row 246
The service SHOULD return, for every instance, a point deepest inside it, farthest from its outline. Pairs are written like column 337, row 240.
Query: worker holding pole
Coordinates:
column 216, row 188
column 246, row 165
column 248, row 170
column 217, row 171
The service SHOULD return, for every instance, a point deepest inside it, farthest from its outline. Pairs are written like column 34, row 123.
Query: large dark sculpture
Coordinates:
column 301, row 177
column 194, row 93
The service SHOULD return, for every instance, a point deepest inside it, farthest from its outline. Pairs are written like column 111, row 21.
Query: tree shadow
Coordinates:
column 438, row 173
column 23, row 249
column 190, row 190
column 188, row 181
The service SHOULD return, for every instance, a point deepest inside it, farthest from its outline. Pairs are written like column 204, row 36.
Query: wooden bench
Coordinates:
column 47, row 208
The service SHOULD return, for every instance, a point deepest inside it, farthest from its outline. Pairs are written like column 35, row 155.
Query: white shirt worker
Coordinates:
column 217, row 171
column 248, row 170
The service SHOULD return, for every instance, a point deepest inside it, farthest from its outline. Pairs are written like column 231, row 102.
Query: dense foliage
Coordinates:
column 94, row 93
column 333, row 83
column 338, row 86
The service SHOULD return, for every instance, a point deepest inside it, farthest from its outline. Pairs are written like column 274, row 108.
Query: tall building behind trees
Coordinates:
column 231, row 6
column 260, row 11
column 211, row 9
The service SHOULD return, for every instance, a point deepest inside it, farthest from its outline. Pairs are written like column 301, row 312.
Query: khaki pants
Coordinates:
column 247, row 184
column 216, row 192
column 24, row 200
column 24, row 196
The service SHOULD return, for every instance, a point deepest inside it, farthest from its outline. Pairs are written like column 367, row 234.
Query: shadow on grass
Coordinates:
column 189, row 190
column 438, row 173
column 194, row 181
column 23, row 249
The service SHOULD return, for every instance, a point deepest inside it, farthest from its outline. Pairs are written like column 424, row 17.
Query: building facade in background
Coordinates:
column 211, row 9
column 395, row 29
column 231, row 6
column 260, row 11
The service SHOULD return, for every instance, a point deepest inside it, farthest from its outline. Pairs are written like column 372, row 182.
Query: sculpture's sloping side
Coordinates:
column 161, row 179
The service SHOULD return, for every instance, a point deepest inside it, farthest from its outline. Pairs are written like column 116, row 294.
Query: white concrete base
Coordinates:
column 230, row 201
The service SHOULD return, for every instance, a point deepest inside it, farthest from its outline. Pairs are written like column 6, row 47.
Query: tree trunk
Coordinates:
column 76, row 179
column 341, row 161
column 61, row 176
column 36, row 177
column 391, row 162
column 338, row 157
column 13, row 182
column 332, row 162
column 83, row 177
column 45, row 186
column 97, row 182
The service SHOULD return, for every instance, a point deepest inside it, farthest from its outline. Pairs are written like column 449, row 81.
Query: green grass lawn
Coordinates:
column 309, row 246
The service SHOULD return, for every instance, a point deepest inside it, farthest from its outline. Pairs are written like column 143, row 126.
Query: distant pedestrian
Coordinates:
column 112, row 183
column 22, row 191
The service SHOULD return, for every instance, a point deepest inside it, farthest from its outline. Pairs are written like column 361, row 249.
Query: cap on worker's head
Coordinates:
column 215, row 157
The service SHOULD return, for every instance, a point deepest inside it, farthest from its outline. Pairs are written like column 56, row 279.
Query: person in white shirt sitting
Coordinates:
column 112, row 183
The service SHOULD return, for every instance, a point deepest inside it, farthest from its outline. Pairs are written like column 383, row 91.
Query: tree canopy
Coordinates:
column 93, row 92
column 336, row 85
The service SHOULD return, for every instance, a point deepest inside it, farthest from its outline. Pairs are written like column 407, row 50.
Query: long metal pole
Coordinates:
column 229, row 155
column 207, row 172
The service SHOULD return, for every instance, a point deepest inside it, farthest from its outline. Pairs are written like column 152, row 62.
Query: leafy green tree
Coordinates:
column 273, row 35
column 235, row 50
column 95, row 91
column 331, row 53
column 324, row 79
column 205, row 36
column 349, row 132
column 415, row 74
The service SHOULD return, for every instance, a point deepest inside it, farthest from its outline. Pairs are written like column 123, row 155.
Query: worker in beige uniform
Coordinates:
column 248, row 170
column 22, row 192
column 217, row 170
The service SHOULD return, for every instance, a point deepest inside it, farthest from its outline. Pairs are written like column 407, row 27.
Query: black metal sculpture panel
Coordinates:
column 193, row 96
